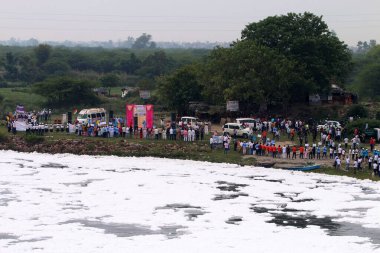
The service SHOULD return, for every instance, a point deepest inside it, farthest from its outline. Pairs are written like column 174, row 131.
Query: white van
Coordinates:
column 92, row 115
column 189, row 120
column 248, row 122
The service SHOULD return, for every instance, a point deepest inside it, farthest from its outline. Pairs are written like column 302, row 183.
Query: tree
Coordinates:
column 64, row 91
column 357, row 111
column 305, row 39
column 179, row 88
column 144, row 41
column 10, row 66
column 55, row 66
column 155, row 65
column 131, row 65
column 42, row 53
column 366, row 74
column 110, row 80
column 369, row 80
column 28, row 70
column 250, row 73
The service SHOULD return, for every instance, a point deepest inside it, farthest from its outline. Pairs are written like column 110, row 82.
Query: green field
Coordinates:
column 17, row 96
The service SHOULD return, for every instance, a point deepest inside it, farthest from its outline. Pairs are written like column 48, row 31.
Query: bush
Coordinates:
column 34, row 139
column 360, row 124
column 357, row 111
column 378, row 115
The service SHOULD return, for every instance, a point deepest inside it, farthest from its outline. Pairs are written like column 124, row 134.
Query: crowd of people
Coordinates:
column 330, row 143
column 307, row 141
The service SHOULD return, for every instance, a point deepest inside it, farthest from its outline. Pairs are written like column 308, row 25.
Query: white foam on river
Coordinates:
column 68, row 203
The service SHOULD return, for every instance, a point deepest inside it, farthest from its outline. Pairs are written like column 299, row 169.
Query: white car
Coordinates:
column 330, row 123
column 240, row 130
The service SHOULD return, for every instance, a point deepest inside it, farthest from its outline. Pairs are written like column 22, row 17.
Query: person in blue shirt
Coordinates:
column 324, row 154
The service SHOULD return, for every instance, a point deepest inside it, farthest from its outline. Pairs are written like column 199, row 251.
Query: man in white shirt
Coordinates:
column 348, row 163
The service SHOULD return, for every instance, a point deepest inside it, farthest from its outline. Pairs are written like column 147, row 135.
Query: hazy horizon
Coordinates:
column 179, row 21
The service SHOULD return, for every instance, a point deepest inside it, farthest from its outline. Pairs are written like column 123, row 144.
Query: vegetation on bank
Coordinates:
column 197, row 151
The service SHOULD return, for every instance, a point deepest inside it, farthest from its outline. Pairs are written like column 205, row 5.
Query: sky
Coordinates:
column 175, row 20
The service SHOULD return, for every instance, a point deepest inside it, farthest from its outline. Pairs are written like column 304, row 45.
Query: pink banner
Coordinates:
column 129, row 115
column 149, row 116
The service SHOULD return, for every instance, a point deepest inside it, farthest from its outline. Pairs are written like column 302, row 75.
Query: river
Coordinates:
column 69, row 203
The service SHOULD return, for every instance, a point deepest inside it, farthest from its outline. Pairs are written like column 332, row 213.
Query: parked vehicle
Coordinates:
column 241, row 131
column 186, row 120
column 248, row 122
column 91, row 115
column 330, row 123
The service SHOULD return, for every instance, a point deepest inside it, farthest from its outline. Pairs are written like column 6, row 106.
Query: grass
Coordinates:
column 363, row 174
column 15, row 96
column 32, row 101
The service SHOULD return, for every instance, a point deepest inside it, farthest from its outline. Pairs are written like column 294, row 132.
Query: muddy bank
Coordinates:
column 118, row 147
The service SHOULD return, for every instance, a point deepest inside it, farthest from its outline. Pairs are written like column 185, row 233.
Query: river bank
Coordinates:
column 197, row 151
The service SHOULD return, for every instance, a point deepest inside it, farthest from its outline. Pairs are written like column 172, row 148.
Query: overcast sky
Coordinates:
column 175, row 20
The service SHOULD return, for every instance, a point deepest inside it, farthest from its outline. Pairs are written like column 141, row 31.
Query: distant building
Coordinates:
column 101, row 91
column 337, row 95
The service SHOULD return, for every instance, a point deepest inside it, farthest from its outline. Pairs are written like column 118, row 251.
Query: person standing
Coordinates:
column 372, row 143
column 211, row 143
column 294, row 150
column 287, row 152
column 356, row 165
column 324, row 154
column 226, row 147
column 370, row 160
column 375, row 168
column 301, row 152
column 348, row 163
column 360, row 159
column 338, row 162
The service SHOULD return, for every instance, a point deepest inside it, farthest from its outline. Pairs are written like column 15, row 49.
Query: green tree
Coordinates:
column 64, row 91
column 155, row 65
column 357, row 111
column 110, row 80
column 10, row 66
column 366, row 74
column 131, row 65
column 55, row 66
column 42, row 53
column 179, row 88
column 369, row 81
column 250, row 73
column 28, row 69
column 144, row 41
column 304, row 38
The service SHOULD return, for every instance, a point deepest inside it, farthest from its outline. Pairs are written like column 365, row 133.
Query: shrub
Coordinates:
column 357, row 111
column 360, row 124
column 34, row 139
column 378, row 115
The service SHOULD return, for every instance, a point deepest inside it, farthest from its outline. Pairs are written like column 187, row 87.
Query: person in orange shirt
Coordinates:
column 279, row 150
column 294, row 150
column 301, row 152
column 274, row 151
